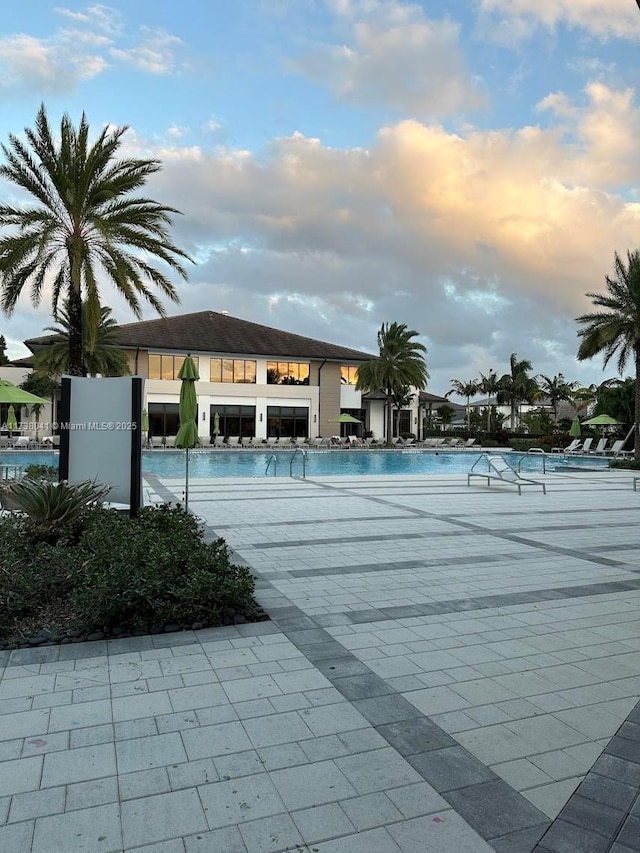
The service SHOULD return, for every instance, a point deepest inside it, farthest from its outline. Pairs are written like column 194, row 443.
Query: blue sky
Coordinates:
column 468, row 167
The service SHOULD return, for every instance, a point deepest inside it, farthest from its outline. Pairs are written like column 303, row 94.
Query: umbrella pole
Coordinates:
column 186, row 481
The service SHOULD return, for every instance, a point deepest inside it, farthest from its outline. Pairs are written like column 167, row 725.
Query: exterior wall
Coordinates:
column 329, row 402
column 324, row 397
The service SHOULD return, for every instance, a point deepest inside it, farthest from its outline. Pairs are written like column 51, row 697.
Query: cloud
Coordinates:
column 394, row 55
column 156, row 53
column 96, row 17
column 512, row 20
column 79, row 52
column 28, row 63
column 486, row 242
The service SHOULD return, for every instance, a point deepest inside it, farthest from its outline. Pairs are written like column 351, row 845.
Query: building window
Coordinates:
column 167, row 366
column 348, row 375
column 232, row 420
column 236, row 370
column 287, row 373
column 163, row 419
column 291, row 421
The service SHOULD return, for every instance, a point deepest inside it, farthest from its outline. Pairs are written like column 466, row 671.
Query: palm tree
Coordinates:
column 464, row 389
column 402, row 398
column 84, row 222
column 516, row 386
column 489, row 385
column 399, row 364
column 557, row 389
column 102, row 355
column 616, row 330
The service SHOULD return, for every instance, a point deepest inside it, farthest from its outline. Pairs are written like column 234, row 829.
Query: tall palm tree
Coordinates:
column 489, row 385
column 402, row 397
column 464, row 389
column 516, row 386
column 399, row 364
column 102, row 355
column 616, row 330
column 85, row 223
column 557, row 389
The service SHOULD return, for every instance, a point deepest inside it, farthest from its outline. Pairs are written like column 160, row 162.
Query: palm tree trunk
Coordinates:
column 389, row 416
column 636, row 433
column 76, row 355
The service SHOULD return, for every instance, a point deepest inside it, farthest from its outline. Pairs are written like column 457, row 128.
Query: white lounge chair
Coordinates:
column 245, row 441
column 218, row 441
column 257, row 442
column 575, row 445
column 499, row 469
column 284, row 441
column 233, row 441
column 616, row 450
column 272, row 440
column 586, row 447
column 301, row 441
column 600, row 448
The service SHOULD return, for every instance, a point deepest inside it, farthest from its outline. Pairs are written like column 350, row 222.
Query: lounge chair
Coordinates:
column 233, row 441
column 468, row 443
column 257, row 442
column 156, row 442
column 284, row 441
column 218, row 441
column 600, row 447
column 574, row 447
column 452, row 442
column 406, row 442
column 616, row 450
column 272, row 441
column 170, row 441
column 586, row 447
column 301, row 441
column 23, row 442
column 499, row 469
column 245, row 441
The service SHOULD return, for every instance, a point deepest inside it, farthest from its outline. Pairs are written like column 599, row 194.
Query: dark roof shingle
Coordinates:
column 209, row 331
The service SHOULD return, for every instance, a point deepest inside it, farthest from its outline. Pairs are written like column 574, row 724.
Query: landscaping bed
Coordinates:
column 107, row 575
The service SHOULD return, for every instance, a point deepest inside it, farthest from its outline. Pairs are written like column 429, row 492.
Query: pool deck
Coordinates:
column 448, row 669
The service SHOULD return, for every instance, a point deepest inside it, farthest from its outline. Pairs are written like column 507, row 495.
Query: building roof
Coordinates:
column 210, row 331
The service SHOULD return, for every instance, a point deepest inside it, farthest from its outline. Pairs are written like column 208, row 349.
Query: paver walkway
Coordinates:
column 444, row 668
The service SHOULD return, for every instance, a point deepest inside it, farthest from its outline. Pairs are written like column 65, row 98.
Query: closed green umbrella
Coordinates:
column 12, row 423
column 216, row 424
column 574, row 431
column 187, row 411
column 145, row 425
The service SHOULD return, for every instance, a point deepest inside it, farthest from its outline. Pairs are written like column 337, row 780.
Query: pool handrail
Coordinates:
column 303, row 454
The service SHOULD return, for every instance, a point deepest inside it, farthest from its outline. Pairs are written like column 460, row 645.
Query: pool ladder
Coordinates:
column 535, row 451
column 303, row 454
column 273, row 458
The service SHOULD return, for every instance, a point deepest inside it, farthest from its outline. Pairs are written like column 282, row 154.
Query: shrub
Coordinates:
column 52, row 506
column 42, row 472
column 629, row 464
column 156, row 569
column 114, row 570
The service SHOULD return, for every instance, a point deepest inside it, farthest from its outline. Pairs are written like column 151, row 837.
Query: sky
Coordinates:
column 466, row 167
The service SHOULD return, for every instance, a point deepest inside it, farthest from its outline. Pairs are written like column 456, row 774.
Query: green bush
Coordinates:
column 52, row 507
column 42, row 472
column 629, row 464
column 115, row 570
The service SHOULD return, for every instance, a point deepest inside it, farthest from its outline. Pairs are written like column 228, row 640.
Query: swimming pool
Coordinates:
column 253, row 463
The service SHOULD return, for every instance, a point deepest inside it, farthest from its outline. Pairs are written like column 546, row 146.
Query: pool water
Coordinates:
column 253, row 463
